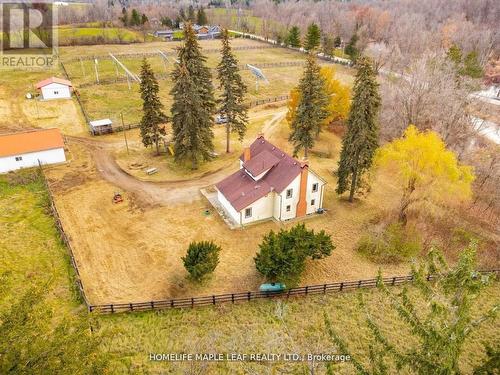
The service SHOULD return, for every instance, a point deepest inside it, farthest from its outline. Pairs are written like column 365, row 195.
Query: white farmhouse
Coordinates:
column 28, row 149
column 55, row 88
column 270, row 185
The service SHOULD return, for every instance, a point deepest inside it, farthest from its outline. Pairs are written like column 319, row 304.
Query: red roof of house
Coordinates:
column 50, row 80
column 30, row 141
column 241, row 190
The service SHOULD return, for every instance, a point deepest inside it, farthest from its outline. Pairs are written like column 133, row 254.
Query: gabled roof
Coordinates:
column 241, row 190
column 30, row 141
column 261, row 163
column 50, row 80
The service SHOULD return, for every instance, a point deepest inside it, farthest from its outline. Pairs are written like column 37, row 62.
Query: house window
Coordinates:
column 315, row 187
column 313, row 201
column 19, row 158
column 288, row 208
column 248, row 212
column 56, row 92
column 289, row 193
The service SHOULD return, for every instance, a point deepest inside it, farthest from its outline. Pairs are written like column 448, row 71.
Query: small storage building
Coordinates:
column 28, row 149
column 103, row 126
column 55, row 88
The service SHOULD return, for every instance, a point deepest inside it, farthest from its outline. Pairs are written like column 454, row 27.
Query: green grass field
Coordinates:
column 31, row 252
column 95, row 34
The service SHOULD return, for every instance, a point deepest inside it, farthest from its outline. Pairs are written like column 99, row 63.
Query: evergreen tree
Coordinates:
column 194, row 104
column 454, row 54
column 233, row 89
column 472, row 67
column 311, row 108
column 201, row 17
column 38, row 338
column 135, row 19
column 328, row 45
column 153, row 116
column 144, row 19
column 439, row 326
column 191, row 16
column 282, row 255
column 361, row 138
column 313, row 37
column 351, row 50
column 293, row 38
column 201, row 259
column 337, row 42
column 124, row 17
column 167, row 21
column 182, row 15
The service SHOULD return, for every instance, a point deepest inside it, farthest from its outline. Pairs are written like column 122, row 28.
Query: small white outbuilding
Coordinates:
column 31, row 148
column 55, row 88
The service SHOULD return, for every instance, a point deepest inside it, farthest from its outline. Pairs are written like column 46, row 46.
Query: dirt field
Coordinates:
column 132, row 251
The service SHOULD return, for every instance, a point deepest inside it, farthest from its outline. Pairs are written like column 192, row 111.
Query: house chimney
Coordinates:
column 246, row 154
column 302, row 204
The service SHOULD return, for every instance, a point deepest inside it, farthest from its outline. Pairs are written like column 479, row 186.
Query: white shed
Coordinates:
column 103, row 126
column 28, row 149
column 55, row 88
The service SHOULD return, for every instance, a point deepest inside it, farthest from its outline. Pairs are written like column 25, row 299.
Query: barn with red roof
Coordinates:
column 270, row 184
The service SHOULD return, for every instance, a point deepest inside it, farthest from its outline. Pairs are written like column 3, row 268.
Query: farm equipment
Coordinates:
column 117, row 198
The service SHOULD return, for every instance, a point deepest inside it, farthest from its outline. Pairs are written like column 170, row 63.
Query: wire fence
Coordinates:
column 62, row 234
column 140, row 55
column 192, row 302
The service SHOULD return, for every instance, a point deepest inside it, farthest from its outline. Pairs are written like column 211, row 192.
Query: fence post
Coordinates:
column 213, row 299
column 171, row 303
column 341, row 285
column 112, row 308
column 232, row 297
column 393, row 280
column 324, row 288
column 131, row 306
column 307, row 287
column 192, row 302
column 152, row 305
column 249, row 295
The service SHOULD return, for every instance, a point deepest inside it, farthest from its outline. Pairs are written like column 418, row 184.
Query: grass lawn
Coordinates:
column 30, row 250
column 69, row 35
column 108, row 100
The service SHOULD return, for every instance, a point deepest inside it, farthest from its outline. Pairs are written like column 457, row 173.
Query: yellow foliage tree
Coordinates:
column 339, row 94
column 426, row 170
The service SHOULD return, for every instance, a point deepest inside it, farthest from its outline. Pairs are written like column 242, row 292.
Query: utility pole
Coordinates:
column 96, row 71
column 124, row 132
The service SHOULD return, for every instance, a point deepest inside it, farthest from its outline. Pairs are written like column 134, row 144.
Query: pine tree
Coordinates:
column 191, row 14
column 361, row 138
column 201, row 17
column 293, row 38
column 194, row 104
column 153, row 116
column 311, row 108
column 439, row 318
column 328, row 46
column 337, row 42
column 135, row 19
column 351, row 50
column 313, row 37
column 233, row 92
column 201, row 259
column 282, row 255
